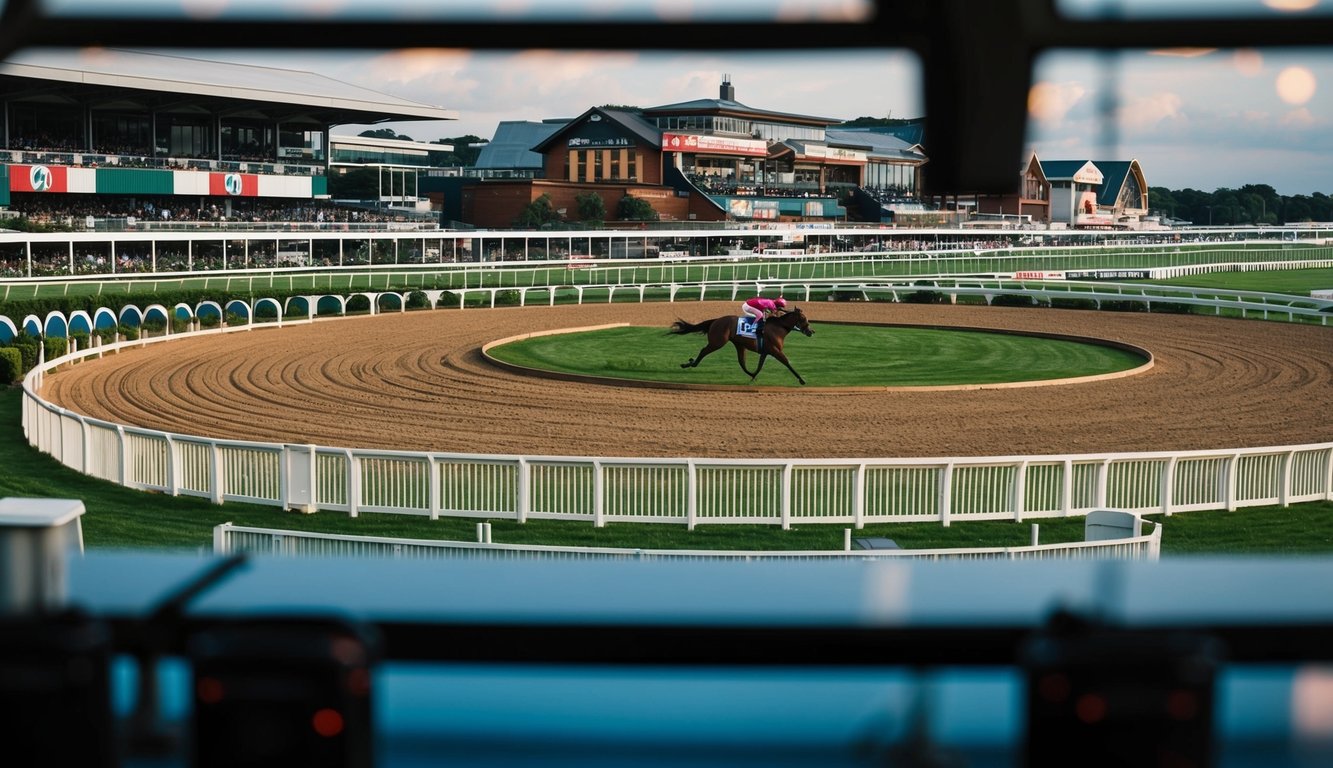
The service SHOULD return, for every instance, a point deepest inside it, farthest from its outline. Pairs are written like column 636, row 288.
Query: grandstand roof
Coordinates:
column 140, row 78
column 1066, row 170
column 511, row 148
column 879, row 145
column 1115, row 173
column 631, row 121
column 735, row 108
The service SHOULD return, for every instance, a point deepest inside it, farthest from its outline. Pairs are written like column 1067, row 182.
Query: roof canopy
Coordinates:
column 134, row 80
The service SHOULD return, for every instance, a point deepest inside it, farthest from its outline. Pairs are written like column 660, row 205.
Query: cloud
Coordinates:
column 1152, row 112
column 1299, row 118
column 1050, row 103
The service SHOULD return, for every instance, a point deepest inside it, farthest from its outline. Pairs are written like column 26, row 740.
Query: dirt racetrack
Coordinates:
column 418, row 381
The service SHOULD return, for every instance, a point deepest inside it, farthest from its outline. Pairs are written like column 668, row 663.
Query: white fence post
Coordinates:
column 221, row 539
column 786, row 496
column 524, row 491
column 1020, row 490
column 1067, row 489
column 433, row 487
column 125, row 456
column 859, row 497
column 1232, row 465
column 691, row 494
column 353, row 485
column 215, row 473
column 1168, row 484
column 1285, row 492
column 1328, row 475
column 598, row 505
column 1103, row 471
column 173, row 468
column 946, row 493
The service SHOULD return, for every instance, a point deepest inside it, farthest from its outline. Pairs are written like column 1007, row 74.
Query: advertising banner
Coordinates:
column 722, row 145
column 234, row 184
column 38, row 178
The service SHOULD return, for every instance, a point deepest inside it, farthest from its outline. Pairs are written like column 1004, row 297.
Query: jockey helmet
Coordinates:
column 779, row 301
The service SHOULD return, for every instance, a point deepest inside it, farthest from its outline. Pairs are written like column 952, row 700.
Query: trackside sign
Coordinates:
column 1109, row 274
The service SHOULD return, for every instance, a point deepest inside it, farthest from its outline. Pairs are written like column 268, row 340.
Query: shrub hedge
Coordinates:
column 11, row 365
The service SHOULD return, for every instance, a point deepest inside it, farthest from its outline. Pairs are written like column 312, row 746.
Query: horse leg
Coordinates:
column 780, row 356
column 740, row 358
column 708, row 349
column 762, row 357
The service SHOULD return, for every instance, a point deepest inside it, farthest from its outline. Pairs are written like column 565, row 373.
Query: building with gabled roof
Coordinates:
column 1096, row 194
column 708, row 160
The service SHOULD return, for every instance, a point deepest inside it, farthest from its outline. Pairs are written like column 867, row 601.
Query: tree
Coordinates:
column 466, row 150
column 384, row 133
column 537, row 214
column 590, row 207
column 633, row 208
column 354, row 183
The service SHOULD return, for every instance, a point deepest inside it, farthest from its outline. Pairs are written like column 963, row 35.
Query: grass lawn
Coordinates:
column 1297, row 282
column 885, row 356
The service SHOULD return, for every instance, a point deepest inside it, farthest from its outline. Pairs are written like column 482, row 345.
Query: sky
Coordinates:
column 1205, row 120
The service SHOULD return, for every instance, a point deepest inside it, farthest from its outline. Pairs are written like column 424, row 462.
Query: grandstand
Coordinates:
column 120, row 132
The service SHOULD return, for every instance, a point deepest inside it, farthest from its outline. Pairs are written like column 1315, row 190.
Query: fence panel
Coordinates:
column 194, row 467
column 1043, row 490
column 1083, row 486
column 1309, row 474
column 902, row 494
column 479, row 488
column 146, row 461
column 823, row 494
column 395, row 484
column 563, row 490
column 104, row 449
column 252, row 474
column 1259, row 479
column 739, row 494
column 1199, row 483
column 333, row 473
column 1135, row 485
column 71, row 443
column 983, row 492
column 647, row 493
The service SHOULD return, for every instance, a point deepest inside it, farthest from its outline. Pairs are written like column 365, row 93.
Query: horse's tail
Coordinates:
column 682, row 327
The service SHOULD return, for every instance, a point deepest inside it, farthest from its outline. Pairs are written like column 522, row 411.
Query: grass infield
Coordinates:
column 884, row 356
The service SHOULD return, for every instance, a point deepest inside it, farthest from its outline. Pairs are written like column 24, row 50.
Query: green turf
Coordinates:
column 1297, row 282
column 836, row 356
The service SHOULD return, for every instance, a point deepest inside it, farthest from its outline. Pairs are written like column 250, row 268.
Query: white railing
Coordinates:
column 687, row 492
column 230, row 539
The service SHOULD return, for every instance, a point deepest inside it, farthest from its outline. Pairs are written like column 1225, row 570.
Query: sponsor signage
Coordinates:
column 608, row 142
column 233, row 184
column 1109, row 274
column 1039, row 275
column 722, row 145
column 833, row 153
column 38, row 178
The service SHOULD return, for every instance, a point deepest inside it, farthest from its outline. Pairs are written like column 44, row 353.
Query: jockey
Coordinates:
column 760, row 308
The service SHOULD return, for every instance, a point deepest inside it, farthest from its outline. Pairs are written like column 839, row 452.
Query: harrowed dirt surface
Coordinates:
column 418, row 381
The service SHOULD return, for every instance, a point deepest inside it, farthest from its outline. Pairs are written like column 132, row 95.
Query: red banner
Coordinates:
column 38, row 178
column 719, row 145
column 234, row 184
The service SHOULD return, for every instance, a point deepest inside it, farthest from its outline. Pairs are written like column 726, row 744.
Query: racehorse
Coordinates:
column 723, row 329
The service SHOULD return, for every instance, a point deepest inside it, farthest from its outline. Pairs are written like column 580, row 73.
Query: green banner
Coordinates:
column 134, row 181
